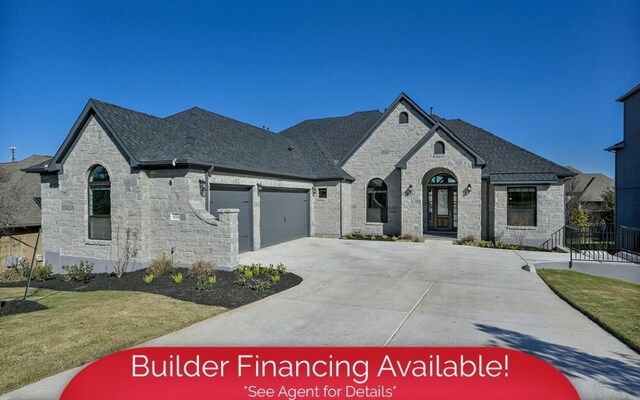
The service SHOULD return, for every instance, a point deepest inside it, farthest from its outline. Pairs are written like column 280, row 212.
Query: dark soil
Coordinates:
column 223, row 293
column 11, row 307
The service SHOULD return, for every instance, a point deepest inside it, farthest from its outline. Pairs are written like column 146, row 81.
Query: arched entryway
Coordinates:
column 440, row 201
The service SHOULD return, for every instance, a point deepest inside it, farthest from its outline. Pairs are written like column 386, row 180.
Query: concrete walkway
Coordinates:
column 358, row 293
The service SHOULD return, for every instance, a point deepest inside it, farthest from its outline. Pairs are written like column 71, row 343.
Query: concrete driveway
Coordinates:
column 361, row 293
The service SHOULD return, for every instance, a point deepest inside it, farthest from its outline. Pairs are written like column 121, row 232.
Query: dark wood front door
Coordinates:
column 443, row 208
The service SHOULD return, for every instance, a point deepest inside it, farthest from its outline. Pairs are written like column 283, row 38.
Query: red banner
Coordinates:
column 295, row 373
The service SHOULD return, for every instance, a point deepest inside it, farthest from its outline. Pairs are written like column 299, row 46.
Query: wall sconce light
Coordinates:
column 410, row 189
column 469, row 187
column 203, row 187
column 313, row 191
column 467, row 190
column 259, row 186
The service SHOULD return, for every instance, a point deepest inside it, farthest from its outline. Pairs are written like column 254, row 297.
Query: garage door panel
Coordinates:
column 240, row 198
column 284, row 215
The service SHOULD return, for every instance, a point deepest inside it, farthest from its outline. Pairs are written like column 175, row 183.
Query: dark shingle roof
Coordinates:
column 589, row 187
column 500, row 155
column 312, row 149
column 206, row 137
column 335, row 136
column 17, row 192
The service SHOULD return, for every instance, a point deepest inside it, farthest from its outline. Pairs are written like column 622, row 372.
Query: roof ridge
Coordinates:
column 335, row 117
column 94, row 101
column 232, row 119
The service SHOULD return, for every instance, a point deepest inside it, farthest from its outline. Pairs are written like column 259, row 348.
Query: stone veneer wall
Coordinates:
column 376, row 158
column 550, row 215
column 141, row 201
column 422, row 166
column 327, row 211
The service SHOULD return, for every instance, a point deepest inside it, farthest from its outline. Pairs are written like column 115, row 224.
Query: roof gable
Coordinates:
column 18, row 190
column 402, row 97
column 441, row 129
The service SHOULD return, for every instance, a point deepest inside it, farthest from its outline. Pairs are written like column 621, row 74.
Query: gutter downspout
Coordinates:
column 207, row 197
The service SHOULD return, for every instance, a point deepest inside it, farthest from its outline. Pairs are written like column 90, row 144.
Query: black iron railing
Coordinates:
column 604, row 243
column 556, row 241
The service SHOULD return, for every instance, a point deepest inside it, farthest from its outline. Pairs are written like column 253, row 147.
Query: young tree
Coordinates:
column 609, row 198
column 579, row 217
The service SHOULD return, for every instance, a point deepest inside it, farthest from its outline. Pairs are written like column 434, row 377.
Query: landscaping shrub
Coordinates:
column 42, row 272
column 148, row 278
column 373, row 237
column 177, row 278
column 78, row 272
column 201, row 269
column 9, row 275
column 161, row 266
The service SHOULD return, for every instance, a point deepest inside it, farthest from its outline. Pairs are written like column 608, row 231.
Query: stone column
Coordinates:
column 228, row 248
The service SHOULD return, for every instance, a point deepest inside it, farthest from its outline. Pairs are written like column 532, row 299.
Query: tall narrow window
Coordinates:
column 377, row 201
column 438, row 148
column 521, row 206
column 99, row 203
column 403, row 118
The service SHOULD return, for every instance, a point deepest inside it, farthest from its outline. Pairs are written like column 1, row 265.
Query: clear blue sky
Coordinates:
column 543, row 75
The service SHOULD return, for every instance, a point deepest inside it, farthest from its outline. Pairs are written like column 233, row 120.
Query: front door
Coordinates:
column 443, row 206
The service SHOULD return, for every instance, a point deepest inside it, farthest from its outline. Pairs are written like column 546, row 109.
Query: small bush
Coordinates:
column 394, row 238
column 203, row 284
column 241, row 281
column 248, row 273
column 275, row 278
column 406, row 236
column 256, row 269
column 201, row 269
column 373, row 237
column 350, row 236
column 42, row 272
column 261, row 286
column 78, row 272
column 212, row 280
column 177, row 278
column 281, row 268
column 10, row 275
column 160, row 266
column 148, row 278
column 385, row 237
column 363, row 236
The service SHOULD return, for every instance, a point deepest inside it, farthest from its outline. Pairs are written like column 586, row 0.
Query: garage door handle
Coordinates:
column 285, row 219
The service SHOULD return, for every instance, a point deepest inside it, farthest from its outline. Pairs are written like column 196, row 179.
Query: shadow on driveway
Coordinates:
column 613, row 373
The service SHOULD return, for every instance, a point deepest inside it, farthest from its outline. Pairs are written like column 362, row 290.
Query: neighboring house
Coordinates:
column 180, row 181
column 19, row 211
column 587, row 190
column 628, row 162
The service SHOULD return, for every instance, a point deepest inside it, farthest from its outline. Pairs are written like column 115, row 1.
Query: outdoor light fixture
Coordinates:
column 259, row 186
column 469, row 187
column 203, row 187
column 410, row 189
column 313, row 191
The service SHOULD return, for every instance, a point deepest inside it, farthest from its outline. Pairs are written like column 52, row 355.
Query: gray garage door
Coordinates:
column 236, row 197
column 284, row 215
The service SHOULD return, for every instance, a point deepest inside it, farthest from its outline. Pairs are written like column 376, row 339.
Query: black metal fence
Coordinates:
column 604, row 243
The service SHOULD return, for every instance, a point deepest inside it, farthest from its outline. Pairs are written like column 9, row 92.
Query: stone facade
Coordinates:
column 550, row 215
column 168, row 207
column 164, row 209
column 376, row 158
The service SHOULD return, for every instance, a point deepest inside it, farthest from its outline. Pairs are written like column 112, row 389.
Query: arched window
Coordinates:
column 438, row 148
column 377, row 201
column 403, row 118
column 442, row 179
column 99, row 203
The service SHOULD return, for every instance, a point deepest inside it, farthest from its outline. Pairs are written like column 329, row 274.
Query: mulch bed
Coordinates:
column 224, row 293
column 12, row 307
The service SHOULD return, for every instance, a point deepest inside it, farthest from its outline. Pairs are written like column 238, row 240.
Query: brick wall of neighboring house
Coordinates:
column 550, row 215
column 140, row 201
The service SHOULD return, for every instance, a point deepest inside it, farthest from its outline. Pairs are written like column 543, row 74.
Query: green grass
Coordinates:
column 611, row 303
column 80, row 327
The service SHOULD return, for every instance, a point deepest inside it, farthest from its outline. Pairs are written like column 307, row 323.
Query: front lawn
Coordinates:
column 79, row 327
column 612, row 303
